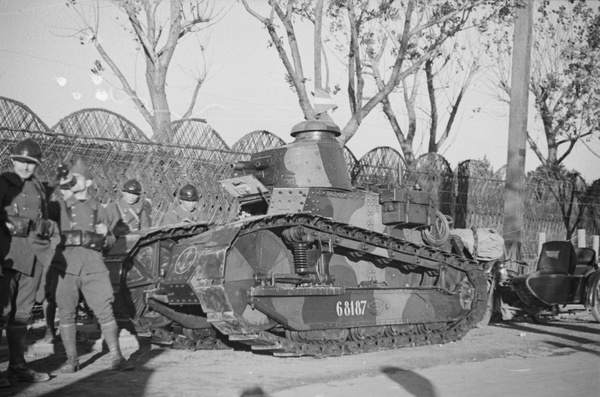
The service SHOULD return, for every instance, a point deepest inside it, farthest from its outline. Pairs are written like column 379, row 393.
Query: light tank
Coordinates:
column 314, row 266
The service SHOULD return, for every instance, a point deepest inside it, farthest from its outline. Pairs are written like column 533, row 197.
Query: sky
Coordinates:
column 44, row 66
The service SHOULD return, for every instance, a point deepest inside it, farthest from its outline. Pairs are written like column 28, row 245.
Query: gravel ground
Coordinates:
column 163, row 371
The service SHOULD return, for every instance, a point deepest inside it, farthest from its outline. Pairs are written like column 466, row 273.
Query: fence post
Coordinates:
column 541, row 241
column 595, row 244
column 580, row 238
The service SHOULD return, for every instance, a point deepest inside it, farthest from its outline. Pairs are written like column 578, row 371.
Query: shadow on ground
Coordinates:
column 587, row 333
column 103, row 382
column 412, row 382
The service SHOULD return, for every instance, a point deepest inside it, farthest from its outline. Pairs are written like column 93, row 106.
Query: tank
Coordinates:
column 314, row 266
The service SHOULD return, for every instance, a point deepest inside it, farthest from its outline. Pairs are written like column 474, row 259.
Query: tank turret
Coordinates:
column 314, row 159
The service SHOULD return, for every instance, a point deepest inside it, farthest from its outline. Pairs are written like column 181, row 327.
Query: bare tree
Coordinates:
column 362, row 30
column 564, row 81
column 156, row 27
column 446, row 77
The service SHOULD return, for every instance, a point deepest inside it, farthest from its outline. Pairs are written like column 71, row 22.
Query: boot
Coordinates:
column 50, row 316
column 111, row 337
column 3, row 380
column 18, row 371
column 81, row 337
column 68, row 335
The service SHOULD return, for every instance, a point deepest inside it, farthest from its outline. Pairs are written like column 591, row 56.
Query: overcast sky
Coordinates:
column 44, row 66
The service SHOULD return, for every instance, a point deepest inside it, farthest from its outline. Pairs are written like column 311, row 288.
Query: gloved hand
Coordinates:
column 64, row 176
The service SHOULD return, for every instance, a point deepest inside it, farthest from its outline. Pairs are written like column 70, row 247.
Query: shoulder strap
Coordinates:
column 119, row 209
column 135, row 216
column 69, row 213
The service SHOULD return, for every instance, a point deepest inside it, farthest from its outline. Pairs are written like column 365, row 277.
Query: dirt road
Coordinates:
column 167, row 372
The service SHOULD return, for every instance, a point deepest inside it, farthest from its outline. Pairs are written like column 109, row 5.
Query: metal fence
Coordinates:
column 116, row 150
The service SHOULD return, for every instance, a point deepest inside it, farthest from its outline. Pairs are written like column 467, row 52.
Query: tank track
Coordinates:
column 187, row 339
column 279, row 344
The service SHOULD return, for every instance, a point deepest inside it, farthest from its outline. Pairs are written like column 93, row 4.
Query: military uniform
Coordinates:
column 24, row 257
column 25, row 248
column 135, row 216
column 82, row 268
column 180, row 214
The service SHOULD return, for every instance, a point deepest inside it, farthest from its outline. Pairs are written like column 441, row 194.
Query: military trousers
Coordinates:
column 17, row 295
column 96, row 290
column 47, row 289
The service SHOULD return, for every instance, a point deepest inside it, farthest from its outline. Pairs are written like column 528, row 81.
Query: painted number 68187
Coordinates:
column 350, row 308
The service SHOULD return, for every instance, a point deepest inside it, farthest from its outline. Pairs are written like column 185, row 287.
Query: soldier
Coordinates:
column 187, row 210
column 47, row 288
column 84, row 229
column 132, row 212
column 27, row 243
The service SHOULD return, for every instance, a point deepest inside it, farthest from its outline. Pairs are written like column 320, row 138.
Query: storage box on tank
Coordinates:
column 406, row 207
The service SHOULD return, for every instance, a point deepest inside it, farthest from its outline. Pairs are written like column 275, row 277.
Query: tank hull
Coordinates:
column 359, row 291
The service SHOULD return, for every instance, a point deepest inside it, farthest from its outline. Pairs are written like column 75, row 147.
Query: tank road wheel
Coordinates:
column 260, row 253
column 595, row 295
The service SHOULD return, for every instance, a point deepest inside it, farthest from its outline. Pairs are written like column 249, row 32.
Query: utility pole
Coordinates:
column 514, row 190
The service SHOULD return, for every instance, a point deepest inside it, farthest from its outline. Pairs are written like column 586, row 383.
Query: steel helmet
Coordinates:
column 188, row 193
column 28, row 151
column 132, row 186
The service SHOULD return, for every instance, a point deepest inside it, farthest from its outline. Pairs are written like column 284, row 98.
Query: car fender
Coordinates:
column 590, row 289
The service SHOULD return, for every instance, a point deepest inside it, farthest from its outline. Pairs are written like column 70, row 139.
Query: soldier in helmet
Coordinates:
column 84, row 229
column 187, row 210
column 27, row 243
column 131, row 211
column 46, row 291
